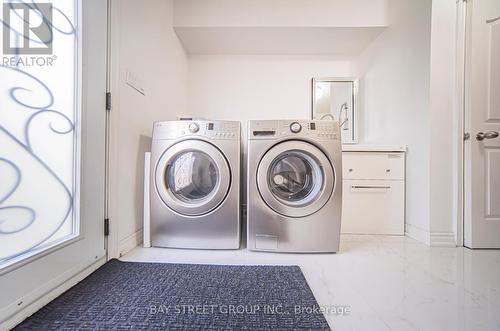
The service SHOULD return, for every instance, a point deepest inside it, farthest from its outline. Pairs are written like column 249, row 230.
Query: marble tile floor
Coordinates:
column 386, row 282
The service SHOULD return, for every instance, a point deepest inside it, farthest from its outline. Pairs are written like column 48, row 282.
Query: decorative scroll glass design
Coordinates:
column 39, row 126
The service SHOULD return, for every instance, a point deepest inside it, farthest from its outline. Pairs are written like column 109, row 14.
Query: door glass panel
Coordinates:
column 39, row 126
column 295, row 177
column 192, row 176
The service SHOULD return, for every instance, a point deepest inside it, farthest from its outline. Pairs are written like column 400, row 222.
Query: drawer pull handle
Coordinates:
column 387, row 170
column 350, row 170
column 370, row 187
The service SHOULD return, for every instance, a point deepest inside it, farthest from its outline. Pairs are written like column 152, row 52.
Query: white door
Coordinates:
column 52, row 149
column 482, row 109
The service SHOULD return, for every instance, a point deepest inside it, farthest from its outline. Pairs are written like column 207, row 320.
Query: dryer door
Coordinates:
column 192, row 177
column 295, row 178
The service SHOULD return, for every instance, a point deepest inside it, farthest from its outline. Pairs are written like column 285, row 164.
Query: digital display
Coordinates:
column 312, row 126
column 210, row 126
column 264, row 133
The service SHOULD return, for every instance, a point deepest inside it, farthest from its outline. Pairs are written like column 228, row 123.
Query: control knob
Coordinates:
column 193, row 128
column 295, row 127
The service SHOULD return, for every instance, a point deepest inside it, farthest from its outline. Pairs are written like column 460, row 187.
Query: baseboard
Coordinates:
column 48, row 292
column 443, row 239
column 418, row 234
column 131, row 242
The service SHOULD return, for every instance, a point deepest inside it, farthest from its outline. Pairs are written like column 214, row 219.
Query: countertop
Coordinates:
column 373, row 148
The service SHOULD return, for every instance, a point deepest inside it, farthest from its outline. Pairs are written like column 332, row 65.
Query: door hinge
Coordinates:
column 106, row 227
column 108, row 101
column 466, row 136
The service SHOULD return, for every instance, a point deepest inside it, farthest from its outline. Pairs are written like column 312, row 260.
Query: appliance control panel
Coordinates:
column 269, row 129
column 226, row 130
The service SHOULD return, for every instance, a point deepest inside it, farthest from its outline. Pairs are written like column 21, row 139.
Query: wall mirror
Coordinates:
column 335, row 99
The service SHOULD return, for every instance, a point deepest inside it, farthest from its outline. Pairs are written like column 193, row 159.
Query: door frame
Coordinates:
column 462, row 75
column 113, row 238
column 459, row 122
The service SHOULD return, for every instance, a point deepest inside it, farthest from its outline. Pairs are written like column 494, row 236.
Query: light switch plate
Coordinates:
column 135, row 82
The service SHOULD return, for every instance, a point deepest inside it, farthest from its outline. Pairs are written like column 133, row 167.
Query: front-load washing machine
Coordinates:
column 294, row 192
column 195, row 184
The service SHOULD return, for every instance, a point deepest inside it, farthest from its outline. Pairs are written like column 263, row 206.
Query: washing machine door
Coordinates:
column 295, row 178
column 192, row 177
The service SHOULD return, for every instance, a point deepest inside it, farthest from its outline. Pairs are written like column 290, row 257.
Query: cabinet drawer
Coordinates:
column 373, row 207
column 373, row 165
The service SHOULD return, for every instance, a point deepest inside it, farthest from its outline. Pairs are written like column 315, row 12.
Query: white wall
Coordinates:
column 394, row 74
column 144, row 43
column 256, row 27
column 257, row 87
column 274, row 13
column 443, row 120
column 394, row 92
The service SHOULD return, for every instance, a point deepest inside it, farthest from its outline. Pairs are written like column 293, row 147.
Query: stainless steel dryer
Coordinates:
column 294, row 192
column 195, row 184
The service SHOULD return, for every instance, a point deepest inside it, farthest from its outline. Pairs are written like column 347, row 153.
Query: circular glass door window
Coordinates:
column 295, row 178
column 192, row 176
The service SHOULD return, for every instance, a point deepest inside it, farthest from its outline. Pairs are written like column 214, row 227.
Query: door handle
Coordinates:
column 488, row 135
column 369, row 188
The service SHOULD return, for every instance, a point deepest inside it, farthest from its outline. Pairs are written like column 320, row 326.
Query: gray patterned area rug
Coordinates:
column 162, row 296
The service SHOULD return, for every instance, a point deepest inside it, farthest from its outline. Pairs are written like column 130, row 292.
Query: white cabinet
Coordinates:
column 373, row 192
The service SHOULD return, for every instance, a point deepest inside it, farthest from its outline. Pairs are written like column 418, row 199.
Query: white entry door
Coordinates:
column 52, row 149
column 482, row 150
